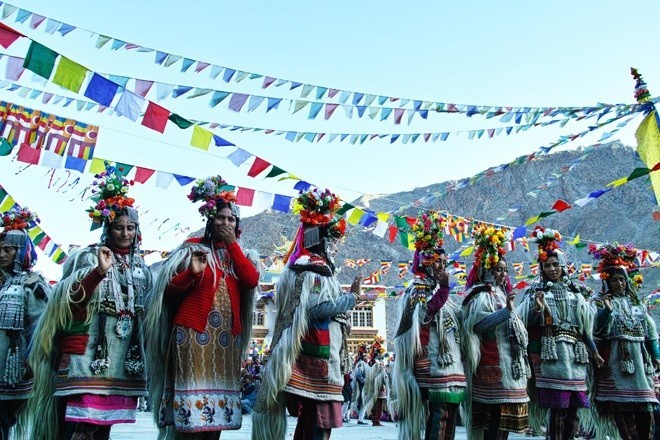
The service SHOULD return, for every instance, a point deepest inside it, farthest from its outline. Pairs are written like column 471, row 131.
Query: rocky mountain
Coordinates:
column 622, row 215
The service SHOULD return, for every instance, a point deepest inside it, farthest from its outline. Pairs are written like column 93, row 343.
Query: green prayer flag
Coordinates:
column 580, row 245
column 38, row 238
column 402, row 224
column 638, row 172
column 344, row 209
column 69, row 74
column 403, row 237
column 123, row 168
column 5, row 147
column 179, row 121
column 3, row 194
column 40, row 59
column 275, row 171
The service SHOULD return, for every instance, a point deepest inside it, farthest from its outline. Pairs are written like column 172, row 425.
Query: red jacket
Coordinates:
column 199, row 290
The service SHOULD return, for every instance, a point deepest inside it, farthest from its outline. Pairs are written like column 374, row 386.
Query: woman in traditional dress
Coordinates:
column 560, row 324
column 308, row 351
column 23, row 297
column 200, row 323
column 496, row 361
column 89, row 347
column 429, row 366
column 627, row 338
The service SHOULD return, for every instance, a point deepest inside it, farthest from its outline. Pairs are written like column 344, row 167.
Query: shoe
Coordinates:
column 360, row 422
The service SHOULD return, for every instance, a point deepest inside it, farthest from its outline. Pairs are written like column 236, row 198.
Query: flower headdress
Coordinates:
column 18, row 219
column 428, row 231
column 16, row 222
column 377, row 350
column 547, row 241
column 617, row 256
column 318, row 217
column 211, row 191
column 488, row 241
column 110, row 194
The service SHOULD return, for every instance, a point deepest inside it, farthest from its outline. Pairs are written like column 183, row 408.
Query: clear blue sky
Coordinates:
column 517, row 53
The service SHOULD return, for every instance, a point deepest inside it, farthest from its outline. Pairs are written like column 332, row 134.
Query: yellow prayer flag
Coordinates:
column 201, row 138
column 289, row 176
column 56, row 254
column 70, row 74
column 97, row 166
column 383, row 216
column 7, row 204
column 32, row 233
column 532, row 220
column 618, row 182
column 576, row 240
column 467, row 251
column 648, row 148
column 411, row 242
column 355, row 216
column 296, row 206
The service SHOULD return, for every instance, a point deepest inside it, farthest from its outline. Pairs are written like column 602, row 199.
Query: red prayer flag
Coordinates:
column 42, row 244
column 143, row 174
column 8, row 36
column 560, row 205
column 244, row 196
column 28, row 154
column 155, row 117
column 258, row 166
column 393, row 231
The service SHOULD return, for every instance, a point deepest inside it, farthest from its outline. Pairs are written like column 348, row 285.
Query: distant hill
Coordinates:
column 622, row 215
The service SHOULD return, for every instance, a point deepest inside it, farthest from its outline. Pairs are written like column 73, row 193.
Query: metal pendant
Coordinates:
column 124, row 326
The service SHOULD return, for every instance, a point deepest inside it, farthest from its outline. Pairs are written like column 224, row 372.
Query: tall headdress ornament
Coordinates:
column 428, row 231
column 488, row 242
column 110, row 193
column 614, row 257
column 319, row 220
column 15, row 223
column 215, row 193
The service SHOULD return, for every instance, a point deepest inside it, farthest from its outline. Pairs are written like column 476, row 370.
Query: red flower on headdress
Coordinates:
column 18, row 219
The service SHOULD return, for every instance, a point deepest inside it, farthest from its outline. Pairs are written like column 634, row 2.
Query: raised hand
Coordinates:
column 442, row 278
column 510, row 298
column 106, row 260
column 355, row 286
column 227, row 234
column 607, row 302
column 538, row 299
column 198, row 262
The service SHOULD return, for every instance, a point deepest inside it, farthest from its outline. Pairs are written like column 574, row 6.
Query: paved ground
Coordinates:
column 144, row 430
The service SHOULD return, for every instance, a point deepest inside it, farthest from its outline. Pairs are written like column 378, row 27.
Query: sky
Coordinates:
column 514, row 53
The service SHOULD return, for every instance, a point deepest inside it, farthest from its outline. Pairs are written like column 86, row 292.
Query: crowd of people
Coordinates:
column 76, row 357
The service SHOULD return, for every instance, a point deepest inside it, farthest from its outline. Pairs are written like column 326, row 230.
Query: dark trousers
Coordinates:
column 563, row 423
column 441, row 424
column 634, row 425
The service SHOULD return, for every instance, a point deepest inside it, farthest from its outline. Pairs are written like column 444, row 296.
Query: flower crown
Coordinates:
column 18, row 219
column 109, row 192
column 488, row 241
column 318, row 208
column 616, row 255
column 428, row 231
column 211, row 191
column 547, row 241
